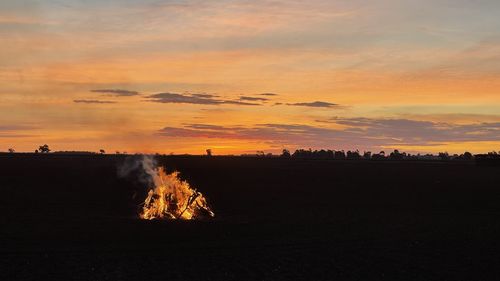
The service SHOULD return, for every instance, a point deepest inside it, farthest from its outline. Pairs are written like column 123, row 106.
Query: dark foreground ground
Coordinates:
column 72, row 218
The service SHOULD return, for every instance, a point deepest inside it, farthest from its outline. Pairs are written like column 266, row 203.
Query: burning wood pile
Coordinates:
column 172, row 198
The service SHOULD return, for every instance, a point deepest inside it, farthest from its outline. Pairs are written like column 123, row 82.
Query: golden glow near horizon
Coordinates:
column 241, row 76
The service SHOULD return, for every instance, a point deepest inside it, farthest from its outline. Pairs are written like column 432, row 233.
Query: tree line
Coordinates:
column 368, row 155
column 328, row 154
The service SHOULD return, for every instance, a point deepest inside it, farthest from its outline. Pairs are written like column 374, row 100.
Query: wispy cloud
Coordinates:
column 246, row 98
column 315, row 104
column 23, row 20
column 94, row 101
column 8, row 128
column 269, row 94
column 116, row 92
column 421, row 132
column 207, row 96
column 15, row 131
column 204, row 99
column 266, row 132
column 14, row 135
column 364, row 133
column 298, row 135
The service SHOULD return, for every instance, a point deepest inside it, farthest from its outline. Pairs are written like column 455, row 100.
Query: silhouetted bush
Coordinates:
column 285, row 153
column 379, row 156
column 354, row 155
column 396, row 155
column 339, row 154
column 367, row 155
column 444, row 156
column 44, row 148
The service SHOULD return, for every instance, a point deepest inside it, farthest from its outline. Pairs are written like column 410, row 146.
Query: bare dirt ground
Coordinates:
column 69, row 217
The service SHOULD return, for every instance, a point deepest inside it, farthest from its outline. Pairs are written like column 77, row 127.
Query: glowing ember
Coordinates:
column 172, row 198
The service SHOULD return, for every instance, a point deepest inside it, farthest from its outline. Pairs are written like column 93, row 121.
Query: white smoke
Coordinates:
column 143, row 166
column 149, row 165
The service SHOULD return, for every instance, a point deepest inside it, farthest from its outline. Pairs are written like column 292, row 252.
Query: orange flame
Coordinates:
column 172, row 198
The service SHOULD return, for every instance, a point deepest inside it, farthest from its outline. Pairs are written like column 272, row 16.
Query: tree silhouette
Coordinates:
column 302, row 153
column 467, row 155
column 367, row 155
column 339, row 154
column 12, row 150
column 209, row 152
column 444, row 156
column 396, row 155
column 44, row 148
column 102, row 151
column 353, row 154
column 285, row 153
column 323, row 154
column 379, row 156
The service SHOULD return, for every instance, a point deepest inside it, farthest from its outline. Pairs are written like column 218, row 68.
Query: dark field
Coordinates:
column 71, row 218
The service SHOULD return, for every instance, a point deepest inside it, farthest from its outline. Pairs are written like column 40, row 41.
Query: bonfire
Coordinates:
column 173, row 198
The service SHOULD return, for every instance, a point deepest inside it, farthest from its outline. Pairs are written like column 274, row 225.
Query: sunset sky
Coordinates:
column 240, row 76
